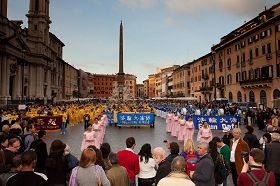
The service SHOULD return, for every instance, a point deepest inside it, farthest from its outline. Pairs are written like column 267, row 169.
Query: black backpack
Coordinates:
column 256, row 182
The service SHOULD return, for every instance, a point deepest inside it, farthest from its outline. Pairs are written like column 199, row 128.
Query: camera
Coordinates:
column 245, row 155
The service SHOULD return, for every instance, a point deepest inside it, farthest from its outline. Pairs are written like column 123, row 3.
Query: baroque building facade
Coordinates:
column 31, row 58
column 243, row 67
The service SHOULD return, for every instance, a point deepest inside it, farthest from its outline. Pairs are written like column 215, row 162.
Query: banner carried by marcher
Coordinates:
column 136, row 119
column 110, row 116
column 47, row 122
column 216, row 122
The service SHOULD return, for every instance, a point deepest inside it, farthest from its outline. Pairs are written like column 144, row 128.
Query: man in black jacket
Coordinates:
column 164, row 166
column 272, row 154
column 204, row 172
column 40, row 147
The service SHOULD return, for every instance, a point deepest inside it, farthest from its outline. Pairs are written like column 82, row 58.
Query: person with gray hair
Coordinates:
column 164, row 166
column 204, row 172
column 117, row 175
column 272, row 154
column 237, row 145
column 178, row 175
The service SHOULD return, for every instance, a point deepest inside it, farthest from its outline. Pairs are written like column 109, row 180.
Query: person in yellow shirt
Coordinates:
column 63, row 124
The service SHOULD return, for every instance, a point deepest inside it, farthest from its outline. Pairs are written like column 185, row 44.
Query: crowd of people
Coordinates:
column 25, row 160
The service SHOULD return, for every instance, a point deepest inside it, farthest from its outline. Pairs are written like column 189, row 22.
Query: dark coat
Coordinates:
column 40, row 148
column 252, row 140
column 204, row 172
column 272, row 160
column 57, row 165
column 164, row 168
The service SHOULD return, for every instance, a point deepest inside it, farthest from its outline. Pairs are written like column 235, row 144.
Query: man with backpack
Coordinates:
column 253, row 173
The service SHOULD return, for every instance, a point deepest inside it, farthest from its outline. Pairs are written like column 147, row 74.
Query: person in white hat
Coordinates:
column 227, row 135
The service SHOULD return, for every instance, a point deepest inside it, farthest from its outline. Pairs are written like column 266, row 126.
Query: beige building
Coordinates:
column 130, row 83
column 158, row 86
column 70, row 82
column 181, row 81
column 31, row 58
column 146, row 88
column 247, row 60
column 196, row 79
column 139, row 91
column 152, row 86
column 161, row 81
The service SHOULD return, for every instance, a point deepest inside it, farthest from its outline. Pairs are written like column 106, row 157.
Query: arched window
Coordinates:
column 276, row 94
column 251, row 96
column 263, row 98
column 230, row 97
column 239, row 96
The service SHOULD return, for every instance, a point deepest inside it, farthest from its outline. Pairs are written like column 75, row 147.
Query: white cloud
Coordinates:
column 234, row 7
column 138, row 3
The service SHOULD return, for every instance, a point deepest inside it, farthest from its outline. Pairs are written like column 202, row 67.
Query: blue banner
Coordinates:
column 136, row 119
column 110, row 116
column 216, row 122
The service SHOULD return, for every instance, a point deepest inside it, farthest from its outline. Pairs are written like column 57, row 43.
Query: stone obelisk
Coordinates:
column 120, row 75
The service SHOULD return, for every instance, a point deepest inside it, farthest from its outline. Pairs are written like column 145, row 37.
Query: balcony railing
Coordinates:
column 256, row 82
column 250, row 61
column 220, row 85
column 206, row 89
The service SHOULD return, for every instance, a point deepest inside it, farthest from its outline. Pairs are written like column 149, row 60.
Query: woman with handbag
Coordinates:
column 87, row 173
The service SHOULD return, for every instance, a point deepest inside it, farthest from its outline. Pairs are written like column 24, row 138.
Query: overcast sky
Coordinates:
column 157, row 33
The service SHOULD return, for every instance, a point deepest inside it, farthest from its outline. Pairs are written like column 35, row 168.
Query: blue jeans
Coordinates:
column 63, row 128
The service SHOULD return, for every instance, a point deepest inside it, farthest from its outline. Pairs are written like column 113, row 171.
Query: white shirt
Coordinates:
column 147, row 170
column 232, row 152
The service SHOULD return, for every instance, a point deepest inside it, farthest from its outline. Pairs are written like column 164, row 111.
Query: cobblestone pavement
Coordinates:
column 116, row 137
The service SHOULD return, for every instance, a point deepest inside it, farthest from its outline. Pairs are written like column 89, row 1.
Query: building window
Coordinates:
column 243, row 44
column 269, row 32
column 263, row 97
column 256, row 37
column 251, row 54
column 237, row 77
column 257, row 52
column 266, row 72
column 237, row 46
column 229, row 63
column 251, row 96
column 244, row 74
column 250, row 40
column 230, row 97
column 257, row 73
column 269, row 48
column 251, row 74
column 278, row 69
column 239, row 96
column 263, row 49
column 278, row 28
column 229, row 79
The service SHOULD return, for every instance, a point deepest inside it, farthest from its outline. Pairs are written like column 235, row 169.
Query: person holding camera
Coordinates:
column 253, row 172
column 237, row 145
